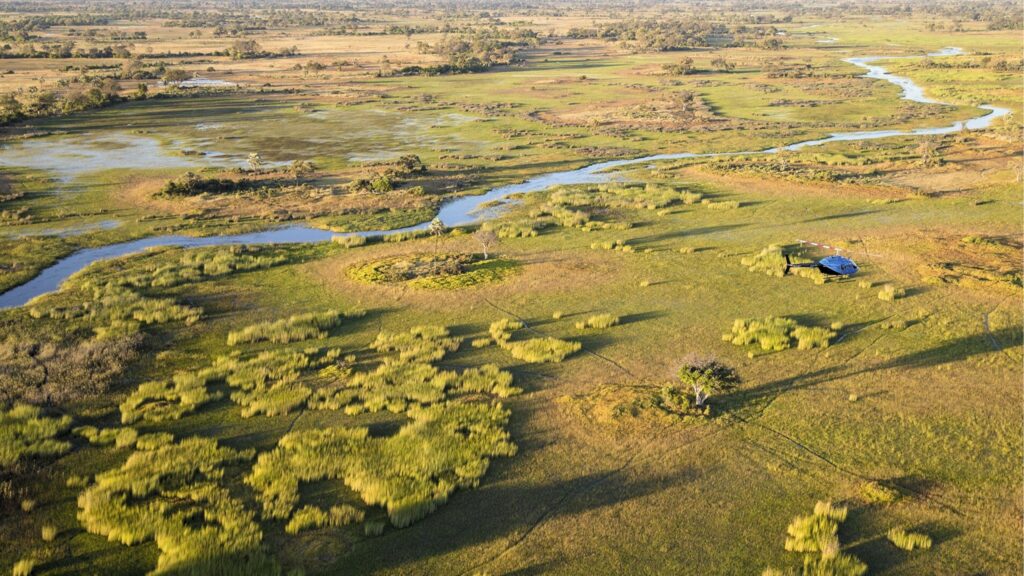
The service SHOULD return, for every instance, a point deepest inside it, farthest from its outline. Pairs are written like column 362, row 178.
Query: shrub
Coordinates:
column 908, row 540
column 481, row 342
column 890, row 293
column 864, row 284
column 557, row 315
column 837, row 326
column 26, row 433
column 686, row 250
column 295, row 328
column 28, row 505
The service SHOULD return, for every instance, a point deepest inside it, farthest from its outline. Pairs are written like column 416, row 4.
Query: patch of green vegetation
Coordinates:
column 908, row 540
column 161, row 401
column 295, row 328
column 599, row 321
column 392, row 219
column 777, row 333
column 448, row 271
column 174, row 496
column 26, row 433
column 410, row 473
column 817, row 537
column 533, row 350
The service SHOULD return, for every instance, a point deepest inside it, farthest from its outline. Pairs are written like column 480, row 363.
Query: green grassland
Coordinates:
column 331, row 416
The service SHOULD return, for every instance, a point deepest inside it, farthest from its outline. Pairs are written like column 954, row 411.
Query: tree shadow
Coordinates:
column 493, row 513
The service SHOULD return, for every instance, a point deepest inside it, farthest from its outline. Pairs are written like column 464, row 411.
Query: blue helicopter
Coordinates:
column 834, row 265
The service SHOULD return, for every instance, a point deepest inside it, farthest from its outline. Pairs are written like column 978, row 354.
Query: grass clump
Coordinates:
column 26, row 433
column 311, row 517
column 890, row 293
column 166, row 268
column 816, row 536
column 420, row 343
column 269, row 383
column 119, row 437
column 444, row 447
column 534, row 350
column 439, row 271
column 295, row 328
column 598, row 321
column 812, row 337
column 542, row 350
column 49, row 532
column 350, row 241
column 875, row 492
column 776, row 333
column 488, row 379
column 169, row 400
column 770, row 261
column 24, row 567
column 130, row 505
column 908, row 540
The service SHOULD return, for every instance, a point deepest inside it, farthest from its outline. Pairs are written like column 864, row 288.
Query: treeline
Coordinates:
column 474, row 52
column 42, row 103
column 657, row 35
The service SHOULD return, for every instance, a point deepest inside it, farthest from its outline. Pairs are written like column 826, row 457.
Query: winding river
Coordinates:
column 465, row 210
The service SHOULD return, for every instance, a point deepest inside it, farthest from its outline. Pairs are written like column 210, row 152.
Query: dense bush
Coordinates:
column 26, row 433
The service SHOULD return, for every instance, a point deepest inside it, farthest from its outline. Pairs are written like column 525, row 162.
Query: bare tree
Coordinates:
column 487, row 240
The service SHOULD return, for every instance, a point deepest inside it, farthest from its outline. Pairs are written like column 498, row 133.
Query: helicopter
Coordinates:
column 834, row 265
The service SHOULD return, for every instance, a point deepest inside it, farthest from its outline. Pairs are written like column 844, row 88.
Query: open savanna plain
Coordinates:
column 609, row 375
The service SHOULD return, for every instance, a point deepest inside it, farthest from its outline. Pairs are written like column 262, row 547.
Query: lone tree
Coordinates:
column 487, row 240
column 255, row 161
column 706, row 376
column 436, row 229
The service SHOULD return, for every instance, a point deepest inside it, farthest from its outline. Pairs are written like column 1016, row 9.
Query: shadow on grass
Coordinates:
column 501, row 515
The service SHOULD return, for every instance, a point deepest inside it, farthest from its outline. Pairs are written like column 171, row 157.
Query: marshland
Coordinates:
column 492, row 287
